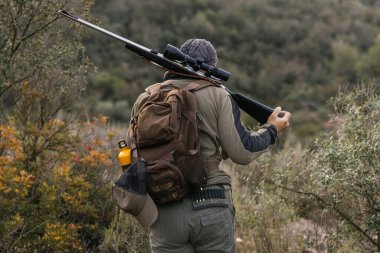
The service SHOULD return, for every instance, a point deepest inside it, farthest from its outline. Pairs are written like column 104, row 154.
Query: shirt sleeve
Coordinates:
column 239, row 144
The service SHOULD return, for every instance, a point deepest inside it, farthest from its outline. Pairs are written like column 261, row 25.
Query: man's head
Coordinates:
column 200, row 48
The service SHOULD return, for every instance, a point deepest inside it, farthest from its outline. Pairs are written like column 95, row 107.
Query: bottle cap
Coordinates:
column 122, row 144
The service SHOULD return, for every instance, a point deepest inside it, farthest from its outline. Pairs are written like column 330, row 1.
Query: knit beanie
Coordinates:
column 202, row 49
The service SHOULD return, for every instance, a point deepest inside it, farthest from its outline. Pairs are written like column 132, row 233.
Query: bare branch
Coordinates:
column 26, row 28
column 30, row 231
column 14, row 24
column 324, row 204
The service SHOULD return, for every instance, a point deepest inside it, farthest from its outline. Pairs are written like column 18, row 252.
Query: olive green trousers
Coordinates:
column 195, row 225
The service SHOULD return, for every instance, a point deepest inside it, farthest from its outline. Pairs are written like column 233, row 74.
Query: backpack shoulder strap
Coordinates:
column 153, row 89
column 190, row 86
column 193, row 86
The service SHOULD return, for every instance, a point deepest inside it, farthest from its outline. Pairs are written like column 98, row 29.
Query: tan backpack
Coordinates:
column 165, row 132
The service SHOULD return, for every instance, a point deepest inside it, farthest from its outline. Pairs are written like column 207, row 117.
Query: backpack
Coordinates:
column 165, row 132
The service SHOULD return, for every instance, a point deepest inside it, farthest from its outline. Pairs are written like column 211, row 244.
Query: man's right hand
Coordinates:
column 280, row 119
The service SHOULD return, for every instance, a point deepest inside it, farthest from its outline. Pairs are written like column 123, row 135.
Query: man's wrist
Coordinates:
column 272, row 129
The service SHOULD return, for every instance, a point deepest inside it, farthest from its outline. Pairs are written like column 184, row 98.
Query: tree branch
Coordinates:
column 324, row 204
column 26, row 28
column 30, row 231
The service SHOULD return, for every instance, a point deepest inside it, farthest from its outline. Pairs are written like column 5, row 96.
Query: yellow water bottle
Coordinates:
column 124, row 155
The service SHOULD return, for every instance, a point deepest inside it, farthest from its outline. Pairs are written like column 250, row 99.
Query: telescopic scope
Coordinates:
column 175, row 54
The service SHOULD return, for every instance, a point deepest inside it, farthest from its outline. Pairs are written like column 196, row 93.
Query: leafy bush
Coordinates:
column 61, row 203
column 345, row 169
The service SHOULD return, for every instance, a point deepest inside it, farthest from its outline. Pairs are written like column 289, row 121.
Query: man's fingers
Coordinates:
column 280, row 119
column 277, row 110
column 285, row 114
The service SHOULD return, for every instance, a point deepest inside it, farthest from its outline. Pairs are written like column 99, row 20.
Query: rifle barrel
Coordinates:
column 151, row 55
column 97, row 28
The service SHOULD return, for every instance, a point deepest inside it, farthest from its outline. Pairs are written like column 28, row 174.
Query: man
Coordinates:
column 204, row 221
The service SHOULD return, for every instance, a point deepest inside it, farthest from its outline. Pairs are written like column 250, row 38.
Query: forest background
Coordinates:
column 66, row 94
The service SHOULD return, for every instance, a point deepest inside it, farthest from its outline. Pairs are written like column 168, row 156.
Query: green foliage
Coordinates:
column 345, row 58
column 368, row 66
column 346, row 166
column 109, row 96
column 36, row 59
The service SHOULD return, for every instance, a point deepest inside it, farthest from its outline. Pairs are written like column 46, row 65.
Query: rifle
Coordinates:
column 175, row 61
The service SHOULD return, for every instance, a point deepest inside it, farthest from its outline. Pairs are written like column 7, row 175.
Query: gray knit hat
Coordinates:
column 200, row 48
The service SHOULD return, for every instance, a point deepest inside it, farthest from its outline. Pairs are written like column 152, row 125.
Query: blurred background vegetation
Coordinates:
column 66, row 94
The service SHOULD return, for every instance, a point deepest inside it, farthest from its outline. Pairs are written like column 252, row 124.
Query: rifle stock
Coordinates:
column 185, row 65
column 256, row 110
